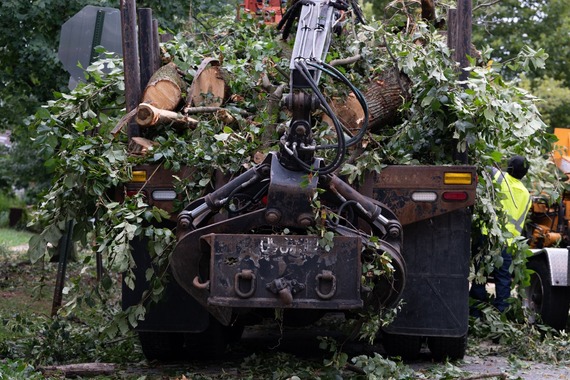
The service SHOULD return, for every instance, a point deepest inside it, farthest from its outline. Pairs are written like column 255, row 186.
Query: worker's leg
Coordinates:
column 503, row 282
column 478, row 292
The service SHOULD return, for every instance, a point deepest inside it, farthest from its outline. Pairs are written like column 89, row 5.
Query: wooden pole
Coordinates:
column 156, row 47
column 131, row 60
column 459, row 39
column 146, row 45
column 463, row 37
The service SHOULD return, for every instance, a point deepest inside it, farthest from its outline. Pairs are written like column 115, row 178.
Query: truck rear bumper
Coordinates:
column 284, row 271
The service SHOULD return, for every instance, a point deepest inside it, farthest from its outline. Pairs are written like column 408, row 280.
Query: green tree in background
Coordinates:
column 30, row 70
column 508, row 26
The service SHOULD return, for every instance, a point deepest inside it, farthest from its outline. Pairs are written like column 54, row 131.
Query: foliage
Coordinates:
column 485, row 113
column 45, row 340
column 517, row 337
column 31, row 72
column 18, row 370
column 508, row 26
column 29, row 337
column 554, row 101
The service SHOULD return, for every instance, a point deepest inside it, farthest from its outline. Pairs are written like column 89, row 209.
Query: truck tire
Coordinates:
column 209, row 344
column 406, row 347
column 162, row 346
column 550, row 303
column 452, row 348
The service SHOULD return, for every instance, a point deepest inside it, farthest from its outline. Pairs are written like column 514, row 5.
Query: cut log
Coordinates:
column 384, row 96
column 165, row 87
column 349, row 111
column 79, row 370
column 140, row 145
column 209, row 87
column 148, row 116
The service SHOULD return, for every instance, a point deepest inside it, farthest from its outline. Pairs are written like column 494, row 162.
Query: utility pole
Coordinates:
column 460, row 22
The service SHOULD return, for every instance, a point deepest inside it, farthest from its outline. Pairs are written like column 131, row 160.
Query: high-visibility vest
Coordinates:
column 515, row 201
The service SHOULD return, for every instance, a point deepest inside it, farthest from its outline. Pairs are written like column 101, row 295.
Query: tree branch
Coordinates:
column 491, row 3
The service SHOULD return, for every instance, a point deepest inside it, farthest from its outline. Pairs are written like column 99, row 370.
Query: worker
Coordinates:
column 515, row 202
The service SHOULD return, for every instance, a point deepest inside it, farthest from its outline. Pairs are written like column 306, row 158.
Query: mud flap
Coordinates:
column 436, row 297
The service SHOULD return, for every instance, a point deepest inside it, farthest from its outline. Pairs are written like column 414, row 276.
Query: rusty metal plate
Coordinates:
column 396, row 185
column 276, row 271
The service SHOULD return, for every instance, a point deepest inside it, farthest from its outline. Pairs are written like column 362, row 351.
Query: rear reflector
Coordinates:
column 139, row 176
column 132, row 193
column 454, row 196
column 451, row 178
column 424, row 196
column 163, row 195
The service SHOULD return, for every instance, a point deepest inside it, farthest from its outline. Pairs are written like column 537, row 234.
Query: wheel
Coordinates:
column 452, row 348
column 210, row 343
column 550, row 303
column 162, row 346
column 233, row 333
column 406, row 347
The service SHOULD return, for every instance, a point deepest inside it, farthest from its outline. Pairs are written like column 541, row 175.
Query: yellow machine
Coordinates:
column 547, row 227
column 548, row 223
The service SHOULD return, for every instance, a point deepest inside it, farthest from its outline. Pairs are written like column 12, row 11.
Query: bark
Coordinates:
column 164, row 89
column 148, row 116
column 79, row 370
column 384, row 96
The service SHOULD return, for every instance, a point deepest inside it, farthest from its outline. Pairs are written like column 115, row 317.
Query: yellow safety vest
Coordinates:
column 515, row 202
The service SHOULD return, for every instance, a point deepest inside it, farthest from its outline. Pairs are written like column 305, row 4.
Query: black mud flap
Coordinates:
column 284, row 271
column 436, row 297
column 177, row 311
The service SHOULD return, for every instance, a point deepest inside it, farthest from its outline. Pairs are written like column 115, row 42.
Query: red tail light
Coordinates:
column 455, row 196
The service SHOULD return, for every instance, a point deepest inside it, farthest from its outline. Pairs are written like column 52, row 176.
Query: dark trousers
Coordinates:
column 502, row 285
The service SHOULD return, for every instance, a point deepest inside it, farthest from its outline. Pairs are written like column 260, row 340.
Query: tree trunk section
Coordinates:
column 79, row 370
column 164, row 89
column 349, row 111
column 208, row 89
column 385, row 95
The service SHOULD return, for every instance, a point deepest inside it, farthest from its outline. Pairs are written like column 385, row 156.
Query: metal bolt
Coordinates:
column 394, row 231
column 273, row 216
column 184, row 221
column 305, row 219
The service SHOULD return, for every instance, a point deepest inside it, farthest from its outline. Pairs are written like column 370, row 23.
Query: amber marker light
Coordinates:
column 454, row 178
column 139, row 176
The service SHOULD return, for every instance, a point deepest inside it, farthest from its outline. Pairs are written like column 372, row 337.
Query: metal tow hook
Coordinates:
column 201, row 285
column 285, row 289
column 245, row 276
column 326, row 276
